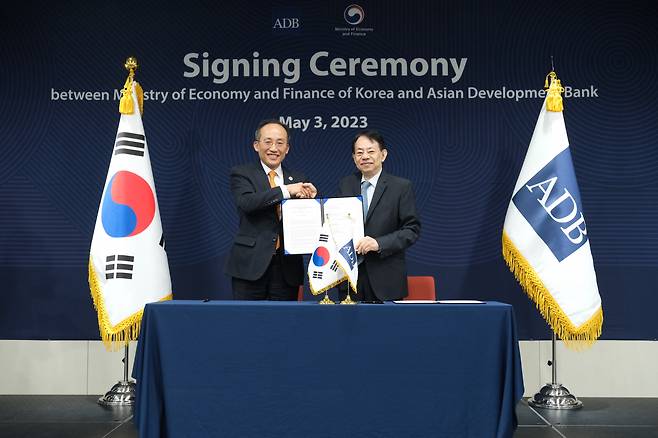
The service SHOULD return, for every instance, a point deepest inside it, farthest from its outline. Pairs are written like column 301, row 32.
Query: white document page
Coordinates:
column 345, row 216
column 301, row 224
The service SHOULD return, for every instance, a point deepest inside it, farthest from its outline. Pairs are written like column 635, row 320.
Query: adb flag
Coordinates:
column 545, row 241
column 128, row 264
column 347, row 260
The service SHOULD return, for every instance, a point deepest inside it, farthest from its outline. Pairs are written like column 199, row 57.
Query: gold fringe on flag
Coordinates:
column 575, row 338
column 127, row 330
column 126, row 105
column 335, row 283
column 555, row 89
column 326, row 288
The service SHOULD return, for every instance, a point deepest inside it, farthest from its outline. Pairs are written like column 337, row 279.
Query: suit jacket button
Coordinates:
column 274, row 239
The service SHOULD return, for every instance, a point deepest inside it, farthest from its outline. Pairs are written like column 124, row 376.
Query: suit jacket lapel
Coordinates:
column 260, row 178
column 379, row 191
column 287, row 178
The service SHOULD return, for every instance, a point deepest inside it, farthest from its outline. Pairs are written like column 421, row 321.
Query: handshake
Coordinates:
column 302, row 190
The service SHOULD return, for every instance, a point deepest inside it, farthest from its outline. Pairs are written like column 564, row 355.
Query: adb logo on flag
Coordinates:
column 550, row 202
column 347, row 251
column 128, row 205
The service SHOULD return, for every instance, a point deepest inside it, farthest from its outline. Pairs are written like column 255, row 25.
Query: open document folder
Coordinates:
column 303, row 218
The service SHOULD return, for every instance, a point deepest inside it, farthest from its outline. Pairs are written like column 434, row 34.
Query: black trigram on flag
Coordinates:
column 162, row 241
column 119, row 266
column 324, row 238
column 317, row 274
column 334, row 266
column 129, row 143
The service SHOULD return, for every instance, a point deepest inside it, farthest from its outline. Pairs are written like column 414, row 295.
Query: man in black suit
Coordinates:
column 391, row 224
column 256, row 263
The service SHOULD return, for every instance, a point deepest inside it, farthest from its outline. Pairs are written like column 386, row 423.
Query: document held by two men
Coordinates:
column 303, row 219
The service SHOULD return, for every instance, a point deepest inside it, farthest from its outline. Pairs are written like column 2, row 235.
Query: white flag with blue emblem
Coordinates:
column 128, row 264
column 347, row 260
column 545, row 241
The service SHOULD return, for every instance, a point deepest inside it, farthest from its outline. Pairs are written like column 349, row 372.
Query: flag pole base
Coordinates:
column 121, row 394
column 554, row 396
column 326, row 300
column 348, row 300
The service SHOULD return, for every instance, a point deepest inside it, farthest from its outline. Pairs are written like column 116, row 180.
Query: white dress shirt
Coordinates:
column 278, row 179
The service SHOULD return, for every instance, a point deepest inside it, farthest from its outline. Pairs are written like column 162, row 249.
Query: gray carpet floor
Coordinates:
column 81, row 417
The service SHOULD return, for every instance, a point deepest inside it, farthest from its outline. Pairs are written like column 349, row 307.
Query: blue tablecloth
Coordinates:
column 272, row 369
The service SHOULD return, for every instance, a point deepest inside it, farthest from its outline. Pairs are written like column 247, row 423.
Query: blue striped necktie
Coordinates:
column 364, row 197
column 364, row 200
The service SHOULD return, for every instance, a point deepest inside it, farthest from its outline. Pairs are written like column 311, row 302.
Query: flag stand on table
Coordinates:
column 545, row 242
column 128, row 265
column 332, row 263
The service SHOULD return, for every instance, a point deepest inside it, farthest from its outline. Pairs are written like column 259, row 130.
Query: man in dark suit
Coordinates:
column 256, row 263
column 391, row 224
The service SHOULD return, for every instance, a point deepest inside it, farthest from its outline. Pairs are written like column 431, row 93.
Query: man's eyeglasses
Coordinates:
column 269, row 142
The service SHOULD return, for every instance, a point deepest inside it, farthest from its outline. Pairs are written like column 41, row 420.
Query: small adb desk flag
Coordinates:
column 128, row 264
column 332, row 262
column 545, row 242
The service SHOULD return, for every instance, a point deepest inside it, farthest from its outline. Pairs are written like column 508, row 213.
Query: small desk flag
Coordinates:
column 545, row 241
column 331, row 264
column 128, row 264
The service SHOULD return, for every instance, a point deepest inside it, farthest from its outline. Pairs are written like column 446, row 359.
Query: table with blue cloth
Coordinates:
column 288, row 369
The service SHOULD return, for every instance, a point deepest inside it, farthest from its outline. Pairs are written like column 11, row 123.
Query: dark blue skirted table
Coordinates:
column 272, row 369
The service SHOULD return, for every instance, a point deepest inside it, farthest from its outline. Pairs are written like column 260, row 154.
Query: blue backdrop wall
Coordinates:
column 468, row 71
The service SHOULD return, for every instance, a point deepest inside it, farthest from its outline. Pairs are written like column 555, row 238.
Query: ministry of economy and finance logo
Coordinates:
column 353, row 15
column 286, row 20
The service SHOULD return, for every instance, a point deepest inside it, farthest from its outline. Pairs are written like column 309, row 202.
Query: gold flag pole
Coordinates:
column 326, row 299
column 348, row 299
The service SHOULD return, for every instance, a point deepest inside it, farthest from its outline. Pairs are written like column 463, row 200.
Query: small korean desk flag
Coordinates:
column 545, row 241
column 128, row 264
column 332, row 262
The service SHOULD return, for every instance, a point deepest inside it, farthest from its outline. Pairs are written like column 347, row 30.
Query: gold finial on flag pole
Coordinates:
column 555, row 89
column 126, row 103
column 131, row 64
